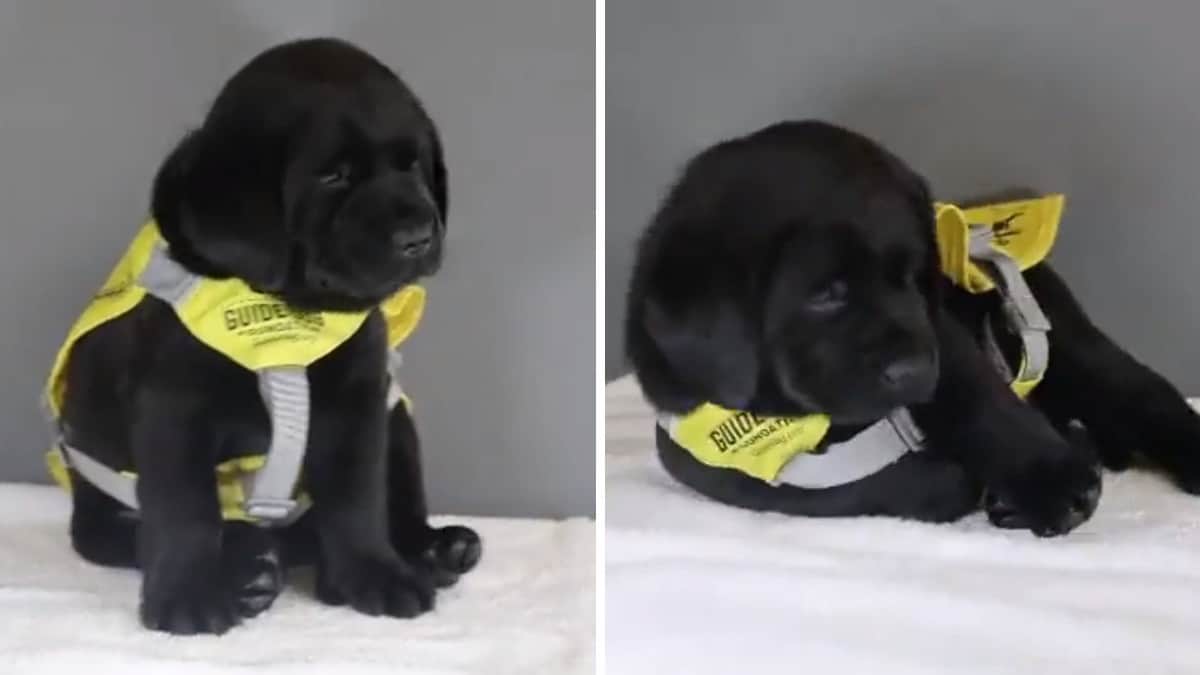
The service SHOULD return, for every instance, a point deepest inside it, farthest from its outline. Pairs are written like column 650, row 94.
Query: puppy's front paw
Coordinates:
column 377, row 585
column 1049, row 496
column 196, row 603
column 450, row 552
column 252, row 562
column 456, row 548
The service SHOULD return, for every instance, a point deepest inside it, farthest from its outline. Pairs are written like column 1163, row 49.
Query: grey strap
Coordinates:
column 868, row 452
column 166, row 279
column 285, row 392
column 109, row 481
column 395, row 393
column 1020, row 307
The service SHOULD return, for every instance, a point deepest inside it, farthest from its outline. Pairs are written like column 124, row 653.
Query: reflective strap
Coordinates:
column 1020, row 307
column 115, row 484
column 285, row 392
column 285, row 395
column 991, row 347
column 395, row 393
column 166, row 279
column 868, row 452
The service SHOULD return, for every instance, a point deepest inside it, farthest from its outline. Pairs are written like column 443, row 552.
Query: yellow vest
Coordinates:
column 255, row 330
column 761, row 446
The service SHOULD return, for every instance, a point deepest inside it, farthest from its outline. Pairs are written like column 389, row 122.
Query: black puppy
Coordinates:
column 317, row 177
column 794, row 271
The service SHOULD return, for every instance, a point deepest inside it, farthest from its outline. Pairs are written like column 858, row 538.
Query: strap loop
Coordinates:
column 1020, row 307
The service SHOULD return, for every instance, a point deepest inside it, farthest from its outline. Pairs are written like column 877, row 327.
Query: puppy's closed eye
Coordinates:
column 829, row 297
column 337, row 176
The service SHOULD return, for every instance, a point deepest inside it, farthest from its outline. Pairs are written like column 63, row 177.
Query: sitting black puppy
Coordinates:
column 790, row 290
column 310, row 201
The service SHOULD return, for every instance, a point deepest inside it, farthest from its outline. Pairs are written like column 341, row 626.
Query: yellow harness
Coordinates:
column 256, row 331
column 981, row 249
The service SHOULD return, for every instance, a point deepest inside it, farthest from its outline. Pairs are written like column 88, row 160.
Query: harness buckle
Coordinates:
column 270, row 510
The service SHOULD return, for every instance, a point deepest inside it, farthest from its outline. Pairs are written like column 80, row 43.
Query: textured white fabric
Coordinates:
column 528, row 608
column 696, row 587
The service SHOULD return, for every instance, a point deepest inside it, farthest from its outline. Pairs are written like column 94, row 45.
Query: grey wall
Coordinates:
column 1100, row 100
column 92, row 94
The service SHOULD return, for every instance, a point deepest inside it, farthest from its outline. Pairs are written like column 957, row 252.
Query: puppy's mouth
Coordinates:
column 368, row 282
column 867, row 398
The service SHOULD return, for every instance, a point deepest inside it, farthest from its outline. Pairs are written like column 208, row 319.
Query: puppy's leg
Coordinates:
column 185, row 588
column 1034, row 478
column 103, row 530
column 346, row 466
column 447, row 551
column 1125, row 406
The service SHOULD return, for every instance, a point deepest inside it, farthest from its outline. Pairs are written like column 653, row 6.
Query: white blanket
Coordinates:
column 695, row 587
column 528, row 608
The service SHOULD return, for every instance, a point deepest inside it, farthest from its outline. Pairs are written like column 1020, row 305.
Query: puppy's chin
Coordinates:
column 334, row 284
column 330, row 293
column 858, row 406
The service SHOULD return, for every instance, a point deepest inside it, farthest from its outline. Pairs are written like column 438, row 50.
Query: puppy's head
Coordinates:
column 790, row 271
column 317, row 176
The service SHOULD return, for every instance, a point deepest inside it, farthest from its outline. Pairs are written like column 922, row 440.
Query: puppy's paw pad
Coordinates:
column 257, row 583
column 252, row 563
column 456, row 549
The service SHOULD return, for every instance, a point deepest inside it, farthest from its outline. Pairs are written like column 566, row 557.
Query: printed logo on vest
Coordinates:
column 753, row 435
column 1004, row 230
column 273, row 319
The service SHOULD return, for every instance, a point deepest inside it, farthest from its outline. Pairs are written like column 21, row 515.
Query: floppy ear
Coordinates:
column 220, row 208
column 689, row 337
column 708, row 349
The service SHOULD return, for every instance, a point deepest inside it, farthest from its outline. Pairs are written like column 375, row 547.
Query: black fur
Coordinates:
column 313, row 167
column 787, row 269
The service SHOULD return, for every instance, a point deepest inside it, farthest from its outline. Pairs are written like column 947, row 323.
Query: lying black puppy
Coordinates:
column 313, row 195
column 792, row 276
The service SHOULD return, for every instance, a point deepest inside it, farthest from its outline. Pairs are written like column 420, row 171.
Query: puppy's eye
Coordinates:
column 338, row 176
column 829, row 298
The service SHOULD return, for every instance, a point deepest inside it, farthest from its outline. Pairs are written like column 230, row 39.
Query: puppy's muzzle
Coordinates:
column 910, row 378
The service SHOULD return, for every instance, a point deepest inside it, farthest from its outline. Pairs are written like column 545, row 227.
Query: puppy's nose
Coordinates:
column 413, row 242
column 910, row 377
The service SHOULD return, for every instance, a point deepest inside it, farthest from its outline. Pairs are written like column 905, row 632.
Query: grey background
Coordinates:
column 92, row 94
column 1097, row 99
